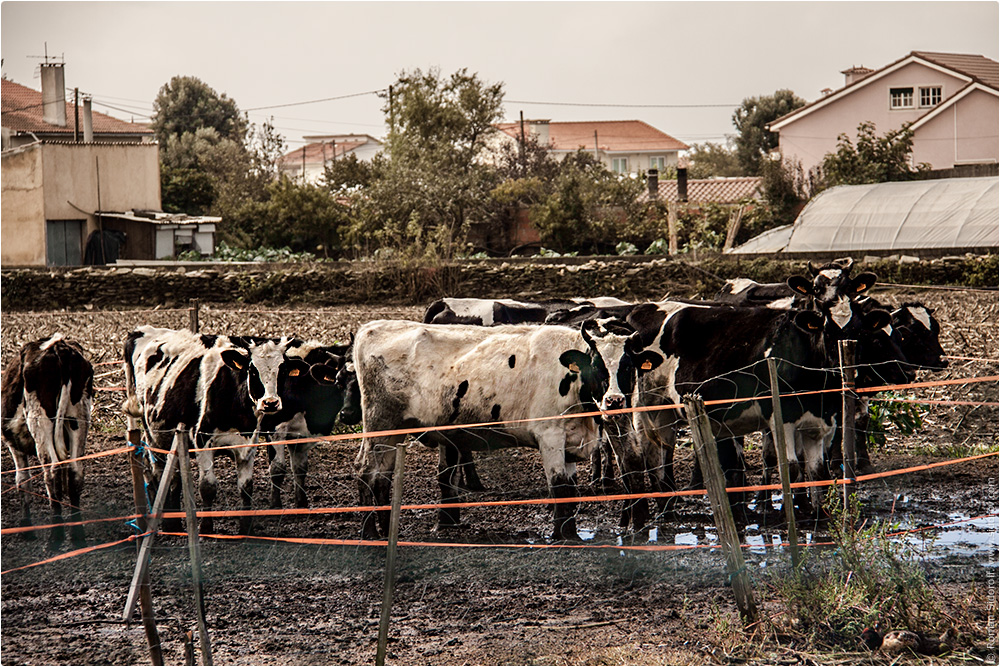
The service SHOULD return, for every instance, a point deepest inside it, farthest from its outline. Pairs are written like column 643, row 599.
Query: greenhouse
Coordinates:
column 958, row 214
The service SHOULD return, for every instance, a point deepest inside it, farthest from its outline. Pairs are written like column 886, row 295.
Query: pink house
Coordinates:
column 950, row 98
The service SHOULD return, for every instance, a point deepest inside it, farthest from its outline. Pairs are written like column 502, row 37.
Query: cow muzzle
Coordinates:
column 612, row 402
column 269, row 405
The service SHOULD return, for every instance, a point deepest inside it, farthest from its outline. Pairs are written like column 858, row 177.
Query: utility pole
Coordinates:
column 76, row 115
column 524, row 166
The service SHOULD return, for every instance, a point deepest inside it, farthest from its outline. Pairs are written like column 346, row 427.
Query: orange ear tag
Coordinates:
column 573, row 367
column 295, row 372
column 647, row 365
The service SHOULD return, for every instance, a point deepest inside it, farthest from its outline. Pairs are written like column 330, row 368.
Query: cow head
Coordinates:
column 610, row 368
column 338, row 371
column 263, row 364
column 829, row 282
column 878, row 356
column 919, row 333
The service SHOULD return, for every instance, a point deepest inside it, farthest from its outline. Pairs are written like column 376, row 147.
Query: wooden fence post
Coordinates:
column 672, row 228
column 193, row 315
column 715, row 484
column 849, row 403
column 145, row 594
column 390, row 554
column 778, row 432
column 194, row 549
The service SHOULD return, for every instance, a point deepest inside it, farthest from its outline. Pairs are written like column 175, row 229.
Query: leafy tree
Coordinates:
column 187, row 104
column 754, row 141
column 711, row 159
column 873, row 159
column 304, row 217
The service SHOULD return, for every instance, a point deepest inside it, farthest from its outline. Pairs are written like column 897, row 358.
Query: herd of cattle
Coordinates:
column 493, row 374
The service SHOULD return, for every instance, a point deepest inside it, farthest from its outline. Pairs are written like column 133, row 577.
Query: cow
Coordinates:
column 312, row 404
column 47, row 396
column 416, row 375
column 491, row 312
column 218, row 387
column 821, row 289
column 720, row 353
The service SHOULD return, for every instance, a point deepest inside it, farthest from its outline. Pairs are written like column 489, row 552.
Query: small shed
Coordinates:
column 951, row 214
column 155, row 235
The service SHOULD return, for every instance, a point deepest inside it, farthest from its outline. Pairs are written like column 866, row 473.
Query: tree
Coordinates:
column 187, row 104
column 711, row 159
column 754, row 141
column 873, row 160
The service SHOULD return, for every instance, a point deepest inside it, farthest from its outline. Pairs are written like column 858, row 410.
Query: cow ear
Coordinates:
column 877, row 319
column 647, row 361
column 575, row 360
column 800, row 284
column 235, row 359
column 295, row 367
column 586, row 327
column 862, row 283
column 813, row 271
column 809, row 321
column 323, row 373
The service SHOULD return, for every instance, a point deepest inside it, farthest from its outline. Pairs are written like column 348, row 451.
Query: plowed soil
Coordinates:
column 281, row 602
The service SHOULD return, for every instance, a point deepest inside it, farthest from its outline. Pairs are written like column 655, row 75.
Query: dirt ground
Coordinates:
column 274, row 602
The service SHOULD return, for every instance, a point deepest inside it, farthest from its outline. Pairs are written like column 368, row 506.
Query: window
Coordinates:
column 930, row 96
column 901, row 98
column 657, row 163
column 619, row 165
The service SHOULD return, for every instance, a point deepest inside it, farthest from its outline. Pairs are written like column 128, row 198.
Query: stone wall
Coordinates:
column 632, row 278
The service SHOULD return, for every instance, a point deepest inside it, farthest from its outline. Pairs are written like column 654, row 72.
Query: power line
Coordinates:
column 626, row 106
column 327, row 99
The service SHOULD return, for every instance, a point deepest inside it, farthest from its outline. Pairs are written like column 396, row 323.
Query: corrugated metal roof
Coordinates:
column 318, row 152
column 710, row 190
column 22, row 112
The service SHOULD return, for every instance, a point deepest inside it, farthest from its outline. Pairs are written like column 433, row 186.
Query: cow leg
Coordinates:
column 23, row 482
column 299, row 457
column 621, row 442
column 469, row 473
column 602, row 470
column 659, row 455
column 244, row 479
column 77, row 437
column 42, row 430
column 769, row 464
column 560, row 476
column 208, row 486
column 449, row 473
column 375, row 463
column 277, row 470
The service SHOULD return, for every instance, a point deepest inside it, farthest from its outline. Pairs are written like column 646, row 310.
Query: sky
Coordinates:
column 682, row 67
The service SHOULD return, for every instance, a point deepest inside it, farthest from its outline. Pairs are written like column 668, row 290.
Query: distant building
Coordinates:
column 62, row 185
column 623, row 146
column 309, row 162
column 951, row 99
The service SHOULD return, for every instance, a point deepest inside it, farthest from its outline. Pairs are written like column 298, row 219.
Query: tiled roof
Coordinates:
column 710, row 190
column 625, row 136
column 319, row 151
column 978, row 67
column 22, row 112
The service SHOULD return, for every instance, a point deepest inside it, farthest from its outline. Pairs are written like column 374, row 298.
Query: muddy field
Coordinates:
column 272, row 602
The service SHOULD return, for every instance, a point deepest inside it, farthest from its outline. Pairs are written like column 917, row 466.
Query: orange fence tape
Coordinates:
column 71, row 554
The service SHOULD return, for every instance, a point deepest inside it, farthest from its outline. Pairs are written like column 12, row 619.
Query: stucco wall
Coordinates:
column 22, row 225
column 975, row 116
column 810, row 138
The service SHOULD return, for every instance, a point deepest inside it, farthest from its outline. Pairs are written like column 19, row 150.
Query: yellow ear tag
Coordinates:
column 647, row 365
column 295, row 372
column 238, row 365
column 329, row 379
column 573, row 367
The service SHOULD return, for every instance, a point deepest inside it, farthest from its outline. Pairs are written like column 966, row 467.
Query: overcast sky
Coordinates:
column 683, row 67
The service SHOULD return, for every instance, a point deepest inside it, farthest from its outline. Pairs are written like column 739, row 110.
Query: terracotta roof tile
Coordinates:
column 978, row 67
column 612, row 136
column 22, row 112
column 710, row 190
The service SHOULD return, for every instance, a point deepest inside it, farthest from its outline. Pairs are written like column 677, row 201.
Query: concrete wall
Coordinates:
column 810, row 138
column 22, row 219
column 55, row 181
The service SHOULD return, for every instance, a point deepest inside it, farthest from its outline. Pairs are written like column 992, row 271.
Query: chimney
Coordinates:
column 856, row 73
column 682, row 184
column 653, row 180
column 88, row 121
column 53, row 94
column 540, row 128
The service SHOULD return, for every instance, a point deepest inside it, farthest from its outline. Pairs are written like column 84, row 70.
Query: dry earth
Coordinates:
column 272, row 602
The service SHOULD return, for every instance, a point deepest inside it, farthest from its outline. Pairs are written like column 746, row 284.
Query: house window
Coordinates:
column 901, row 98
column 657, row 163
column 619, row 165
column 930, row 96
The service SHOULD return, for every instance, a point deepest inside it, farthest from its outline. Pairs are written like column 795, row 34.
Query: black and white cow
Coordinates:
column 47, row 394
column 822, row 288
column 312, row 404
column 421, row 375
column 720, row 352
column 218, row 387
column 492, row 312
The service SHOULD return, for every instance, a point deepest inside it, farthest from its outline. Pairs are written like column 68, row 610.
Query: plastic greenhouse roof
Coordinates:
column 909, row 215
